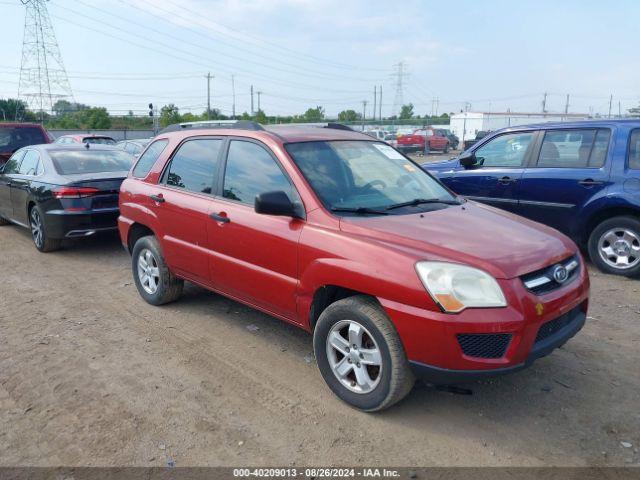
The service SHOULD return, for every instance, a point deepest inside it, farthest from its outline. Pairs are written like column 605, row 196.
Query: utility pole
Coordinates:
column 437, row 105
column 619, row 109
column 208, row 77
column 380, row 104
column 566, row 105
column 233, row 93
column 610, row 102
column 258, row 94
column 375, row 100
column 252, row 100
column 544, row 103
column 364, row 113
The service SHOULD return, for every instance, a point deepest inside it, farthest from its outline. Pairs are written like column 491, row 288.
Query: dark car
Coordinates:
column 134, row 146
column 62, row 191
column 479, row 136
column 454, row 141
column 582, row 178
column 14, row 136
column 342, row 235
column 85, row 138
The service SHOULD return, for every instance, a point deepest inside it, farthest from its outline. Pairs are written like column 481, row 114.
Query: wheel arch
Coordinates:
column 599, row 216
column 326, row 295
column 136, row 232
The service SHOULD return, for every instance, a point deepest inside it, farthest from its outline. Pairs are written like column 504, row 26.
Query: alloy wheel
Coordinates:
column 148, row 271
column 620, row 248
column 354, row 356
column 37, row 230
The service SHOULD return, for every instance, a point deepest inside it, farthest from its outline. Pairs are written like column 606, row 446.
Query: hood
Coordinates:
column 484, row 237
column 441, row 166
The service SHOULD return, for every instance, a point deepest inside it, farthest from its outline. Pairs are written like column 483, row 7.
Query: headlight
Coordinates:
column 456, row 287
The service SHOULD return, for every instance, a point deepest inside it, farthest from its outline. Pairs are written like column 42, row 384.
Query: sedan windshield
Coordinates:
column 71, row 162
column 99, row 140
column 361, row 177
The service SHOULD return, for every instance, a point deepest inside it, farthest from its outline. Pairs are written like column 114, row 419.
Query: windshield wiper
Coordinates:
column 419, row 201
column 359, row 210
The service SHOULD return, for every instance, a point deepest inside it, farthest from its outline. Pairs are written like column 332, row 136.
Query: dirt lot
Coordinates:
column 91, row 375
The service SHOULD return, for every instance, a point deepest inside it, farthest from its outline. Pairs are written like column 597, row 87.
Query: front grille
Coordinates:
column 484, row 345
column 542, row 281
column 554, row 326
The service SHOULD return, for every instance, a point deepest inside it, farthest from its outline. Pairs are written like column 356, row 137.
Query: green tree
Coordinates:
column 13, row 109
column 634, row 110
column 169, row 114
column 97, row 118
column 349, row 116
column 406, row 112
column 261, row 117
column 314, row 114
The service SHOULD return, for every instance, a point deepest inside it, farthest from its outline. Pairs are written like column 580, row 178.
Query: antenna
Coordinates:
column 399, row 75
column 43, row 78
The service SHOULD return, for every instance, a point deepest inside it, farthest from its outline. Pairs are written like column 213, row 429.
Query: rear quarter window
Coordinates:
column 148, row 158
column 634, row 149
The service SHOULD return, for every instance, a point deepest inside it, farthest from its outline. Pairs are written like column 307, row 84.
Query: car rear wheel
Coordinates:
column 39, row 232
column 360, row 354
column 155, row 282
column 614, row 246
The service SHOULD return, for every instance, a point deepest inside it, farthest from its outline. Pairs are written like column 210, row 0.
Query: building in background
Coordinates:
column 465, row 125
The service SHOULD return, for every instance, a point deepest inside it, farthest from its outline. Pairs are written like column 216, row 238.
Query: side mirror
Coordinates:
column 468, row 160
column 276, row 203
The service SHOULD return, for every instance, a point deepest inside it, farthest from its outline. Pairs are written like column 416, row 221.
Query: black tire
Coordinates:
column 631, row 224
column 39, row 234
column 168, row 287
column 395, row 378
column 446, row 148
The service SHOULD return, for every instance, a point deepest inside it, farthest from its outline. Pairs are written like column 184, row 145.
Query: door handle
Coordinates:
column 158, row 198
column 590, row 182
column 220, row 218
column 506, row 180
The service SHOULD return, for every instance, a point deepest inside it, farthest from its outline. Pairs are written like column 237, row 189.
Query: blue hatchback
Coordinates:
column 582, row 178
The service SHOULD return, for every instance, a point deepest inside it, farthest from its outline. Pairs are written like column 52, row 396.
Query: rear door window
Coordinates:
column 584, row 148
column 194, row 166
column 634, row 149
column 13, row 164
column 148, row 158
column 29, row 165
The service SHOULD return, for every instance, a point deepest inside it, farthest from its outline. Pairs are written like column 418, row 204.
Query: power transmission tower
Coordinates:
column 43, row 78
column 399, row 75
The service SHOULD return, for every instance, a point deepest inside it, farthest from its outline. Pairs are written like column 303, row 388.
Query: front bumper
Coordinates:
column 70, row 224
column 432, row 339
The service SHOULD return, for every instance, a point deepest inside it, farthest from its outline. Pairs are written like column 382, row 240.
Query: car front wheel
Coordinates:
column 155, row 282
column 360, row 354
column 614, row 246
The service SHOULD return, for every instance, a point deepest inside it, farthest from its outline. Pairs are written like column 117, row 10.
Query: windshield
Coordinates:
column 13, row 138
column 99, row 140
column 363, row 175
column 70, row 162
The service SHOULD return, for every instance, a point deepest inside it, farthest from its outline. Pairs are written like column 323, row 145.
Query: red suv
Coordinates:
column 424, row 140
column 344, row 236
column 14, row 136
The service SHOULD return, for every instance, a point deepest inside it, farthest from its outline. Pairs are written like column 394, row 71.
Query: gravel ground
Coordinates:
column 92, row 375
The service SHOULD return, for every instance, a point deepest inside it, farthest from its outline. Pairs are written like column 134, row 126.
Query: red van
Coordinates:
column 342, row 235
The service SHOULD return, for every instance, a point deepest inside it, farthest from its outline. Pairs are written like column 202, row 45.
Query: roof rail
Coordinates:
column 338, row 126
column 207, row 124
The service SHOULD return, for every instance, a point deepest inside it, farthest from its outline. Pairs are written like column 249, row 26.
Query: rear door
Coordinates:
column 30, row 167
column 495, row 180
column 256, row 255
column 569, row 169
column 182, row 201
column 7, row 175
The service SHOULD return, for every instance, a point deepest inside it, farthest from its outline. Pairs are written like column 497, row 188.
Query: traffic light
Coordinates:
column 151, row 109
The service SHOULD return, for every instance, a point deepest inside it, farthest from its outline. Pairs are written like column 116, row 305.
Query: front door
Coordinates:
column 182, row 200
column 7, row 175
column 570, row 169
column 495, row 178
column 256, row 256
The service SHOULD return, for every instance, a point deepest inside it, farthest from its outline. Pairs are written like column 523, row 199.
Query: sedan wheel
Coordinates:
column 354, row 356
column 148, row 271
column 37, row 229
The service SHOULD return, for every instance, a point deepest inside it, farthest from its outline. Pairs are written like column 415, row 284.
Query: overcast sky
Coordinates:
column 122, row 54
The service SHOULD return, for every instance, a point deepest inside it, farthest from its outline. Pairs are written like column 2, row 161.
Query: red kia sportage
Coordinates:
column 344, row 236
